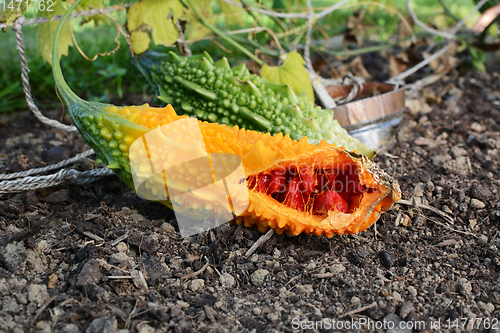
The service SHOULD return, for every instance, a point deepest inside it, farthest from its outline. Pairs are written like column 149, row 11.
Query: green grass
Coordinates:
column 108, row 78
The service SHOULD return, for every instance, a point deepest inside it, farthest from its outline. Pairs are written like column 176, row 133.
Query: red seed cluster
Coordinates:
column 315, row 189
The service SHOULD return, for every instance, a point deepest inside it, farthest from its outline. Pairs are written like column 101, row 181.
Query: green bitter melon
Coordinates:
column 215, row 92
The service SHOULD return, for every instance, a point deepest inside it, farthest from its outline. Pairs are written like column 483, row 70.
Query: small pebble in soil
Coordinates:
column 37, row 293
column 419, row 189
column 482, row 240
column 480, row 192
column 118, row 258
column 406, row 309
column 487, row 262
column 355, row 300
column 487, row 308
column 14, row 257
column 337, row 268
column 387, row 259
column 70, row 328
column 226, row 280
column 90, row 273
column 412, row 291
column 258, row 277
column 477, row 204
column 103, row 325
column 122, row 247
column 196, row 284
column 464, row 287
column 476, row 127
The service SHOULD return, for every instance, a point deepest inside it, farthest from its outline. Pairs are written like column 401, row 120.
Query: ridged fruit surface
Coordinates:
column 214, row 92
column 292, row 186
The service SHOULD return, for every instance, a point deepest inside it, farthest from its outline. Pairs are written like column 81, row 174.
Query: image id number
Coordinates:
column 34, row 5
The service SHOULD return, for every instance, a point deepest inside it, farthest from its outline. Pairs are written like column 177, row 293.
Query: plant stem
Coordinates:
column 375, row 48
column 447, row 11
column 361, row 50
column 221, row 33
column 262, row 49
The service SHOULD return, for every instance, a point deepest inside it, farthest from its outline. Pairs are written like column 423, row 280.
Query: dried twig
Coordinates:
column 201, row 270
column 44, row 306
column 447, row 11
column 358, row 310
column 445, row 216
column 293, row 279
column 472, row 12
column 259, row 242
column 92, row 236
column 120, row 277
column 451, row 229
column 119, row 239
column 421, row 64
column 107, row 266
column 448, row 35
column 435, row 32
column 182, row 40
column 289, row 15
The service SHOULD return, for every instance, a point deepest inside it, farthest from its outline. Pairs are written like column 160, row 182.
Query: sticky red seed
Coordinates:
column 331, row 178
column 277, row 184
column 329, row 200
column 338, row 202
column 321, row 181
column 319, row 206
column 293, row 198
column 263, row 182
column 307, row 180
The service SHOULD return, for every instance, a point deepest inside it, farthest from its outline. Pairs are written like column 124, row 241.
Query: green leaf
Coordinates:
column 94, row 4
column 292, row 72
column 9, row 12
column 140, row 41
column 232, row 13
column 196, row 29
column 46, row 33
column 157, row 17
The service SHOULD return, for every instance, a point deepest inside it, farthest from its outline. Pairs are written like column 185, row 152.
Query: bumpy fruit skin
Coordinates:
column 215, row 92
column 111, row 130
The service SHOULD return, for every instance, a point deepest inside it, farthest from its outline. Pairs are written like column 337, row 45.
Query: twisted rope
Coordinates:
column 26, row 83
column 47, row 168
column 64, row 176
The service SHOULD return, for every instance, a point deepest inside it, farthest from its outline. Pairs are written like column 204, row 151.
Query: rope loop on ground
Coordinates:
column 62, row 177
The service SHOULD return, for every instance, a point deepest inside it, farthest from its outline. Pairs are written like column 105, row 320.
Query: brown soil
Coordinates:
column 63, row 267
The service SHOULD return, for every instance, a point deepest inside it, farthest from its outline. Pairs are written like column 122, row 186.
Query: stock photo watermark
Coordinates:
column 33, row 5
column 205, row 190
column 364, row 323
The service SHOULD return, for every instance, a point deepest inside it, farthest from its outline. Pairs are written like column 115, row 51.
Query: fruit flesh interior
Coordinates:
column 316, row 190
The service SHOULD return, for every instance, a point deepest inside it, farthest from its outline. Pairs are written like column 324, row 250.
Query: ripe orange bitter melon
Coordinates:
column 292, row 186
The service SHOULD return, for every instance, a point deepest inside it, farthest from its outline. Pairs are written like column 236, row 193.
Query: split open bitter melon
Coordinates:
column 214, row 92
column 292, row 186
